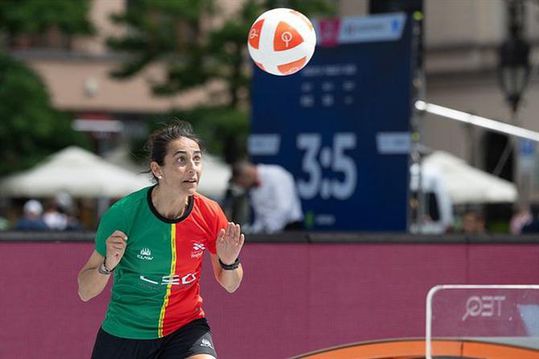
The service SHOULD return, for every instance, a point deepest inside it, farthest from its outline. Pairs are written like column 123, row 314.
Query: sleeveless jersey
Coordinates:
column 156, row 286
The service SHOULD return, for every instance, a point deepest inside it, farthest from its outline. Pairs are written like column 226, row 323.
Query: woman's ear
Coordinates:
column 156, row 170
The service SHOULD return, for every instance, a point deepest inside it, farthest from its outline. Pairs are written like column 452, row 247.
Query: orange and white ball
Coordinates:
column 281, row 41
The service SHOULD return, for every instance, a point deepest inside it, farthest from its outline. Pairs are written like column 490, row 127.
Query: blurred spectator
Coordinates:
column 522, row 218
column 73, row 223
column 530, row 223
column 60, row 214
column 473, row 222
column 31, row 219
column 54, row 218
column 4, row 223
column 236, row 204
column 70, row 208
column 272, row 194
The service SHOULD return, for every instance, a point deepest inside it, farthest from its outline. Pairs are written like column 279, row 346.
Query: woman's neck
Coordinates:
column 169, row 205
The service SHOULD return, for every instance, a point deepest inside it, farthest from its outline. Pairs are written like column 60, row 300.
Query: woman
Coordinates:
column 153, row 240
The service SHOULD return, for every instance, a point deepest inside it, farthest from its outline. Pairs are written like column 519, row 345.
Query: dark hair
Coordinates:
column 159, row 140
column 238, row 169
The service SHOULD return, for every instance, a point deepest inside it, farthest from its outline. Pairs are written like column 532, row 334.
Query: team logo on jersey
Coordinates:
column 198, row 250
column 145, row 254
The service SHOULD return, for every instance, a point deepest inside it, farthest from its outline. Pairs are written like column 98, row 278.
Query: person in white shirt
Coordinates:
column 273, row 196
column 54, row 218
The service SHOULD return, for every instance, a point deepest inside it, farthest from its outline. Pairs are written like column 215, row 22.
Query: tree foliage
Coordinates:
column 31, row 128
column 164, row 31
column 210, row 123
column 37, row 16
column 173, row 33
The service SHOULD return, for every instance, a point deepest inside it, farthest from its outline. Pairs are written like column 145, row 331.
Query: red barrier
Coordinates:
column 295, row 298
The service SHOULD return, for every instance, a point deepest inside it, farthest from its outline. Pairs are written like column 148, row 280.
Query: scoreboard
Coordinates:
column 341, row 125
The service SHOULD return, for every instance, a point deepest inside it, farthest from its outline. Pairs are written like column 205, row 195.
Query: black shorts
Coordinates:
column 193, row 338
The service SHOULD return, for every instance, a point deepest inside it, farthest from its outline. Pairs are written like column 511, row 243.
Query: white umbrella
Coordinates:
column 215, row 175
column 75, row 171
column 467, row 184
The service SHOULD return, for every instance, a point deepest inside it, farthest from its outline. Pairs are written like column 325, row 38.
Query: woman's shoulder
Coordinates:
column 131, row 201
column 205, row 203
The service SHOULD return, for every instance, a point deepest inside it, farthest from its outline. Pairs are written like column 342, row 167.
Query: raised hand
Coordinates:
column 229, row 243
column 116, row 245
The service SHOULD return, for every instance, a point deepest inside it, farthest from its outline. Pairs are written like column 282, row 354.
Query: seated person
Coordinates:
column 31, row 219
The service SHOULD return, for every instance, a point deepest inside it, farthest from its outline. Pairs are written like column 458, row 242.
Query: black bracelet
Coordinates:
column 105, row 266
column 232, row 266
column 103, row 269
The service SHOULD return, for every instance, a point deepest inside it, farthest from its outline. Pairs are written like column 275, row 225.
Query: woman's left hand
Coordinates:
column 229, row 243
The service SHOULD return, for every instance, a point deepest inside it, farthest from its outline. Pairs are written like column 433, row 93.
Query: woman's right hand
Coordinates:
column 116, row 245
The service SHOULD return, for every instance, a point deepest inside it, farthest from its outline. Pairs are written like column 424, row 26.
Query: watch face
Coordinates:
column 103, row 269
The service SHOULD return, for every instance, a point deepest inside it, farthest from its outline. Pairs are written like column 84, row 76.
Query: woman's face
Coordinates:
column 182, row 166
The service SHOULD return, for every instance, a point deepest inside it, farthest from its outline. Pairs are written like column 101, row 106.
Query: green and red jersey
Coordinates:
column 156, row 286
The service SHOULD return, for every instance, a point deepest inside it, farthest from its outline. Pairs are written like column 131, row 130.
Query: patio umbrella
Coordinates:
column 75, row 171
column 467, row 184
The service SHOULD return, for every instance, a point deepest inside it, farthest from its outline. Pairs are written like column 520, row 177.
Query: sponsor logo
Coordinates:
column 198, row 250
column 484, row 306
column 172, row 279
column 145, row 254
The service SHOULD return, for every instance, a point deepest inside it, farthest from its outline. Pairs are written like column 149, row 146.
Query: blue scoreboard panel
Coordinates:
column 341, row 125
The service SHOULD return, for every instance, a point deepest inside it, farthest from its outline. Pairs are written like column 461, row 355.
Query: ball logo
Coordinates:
column 286, row 37
column 254, row 34
column 281, row 41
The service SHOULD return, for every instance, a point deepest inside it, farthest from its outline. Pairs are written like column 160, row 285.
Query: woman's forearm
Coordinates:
column 230, row 279
column 91, row 283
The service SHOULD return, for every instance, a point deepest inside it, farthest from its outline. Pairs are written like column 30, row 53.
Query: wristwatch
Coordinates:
column 103, row 268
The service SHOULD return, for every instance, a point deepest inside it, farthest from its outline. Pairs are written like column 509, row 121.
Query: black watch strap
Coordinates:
column 103, row 268
column 232, row 266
